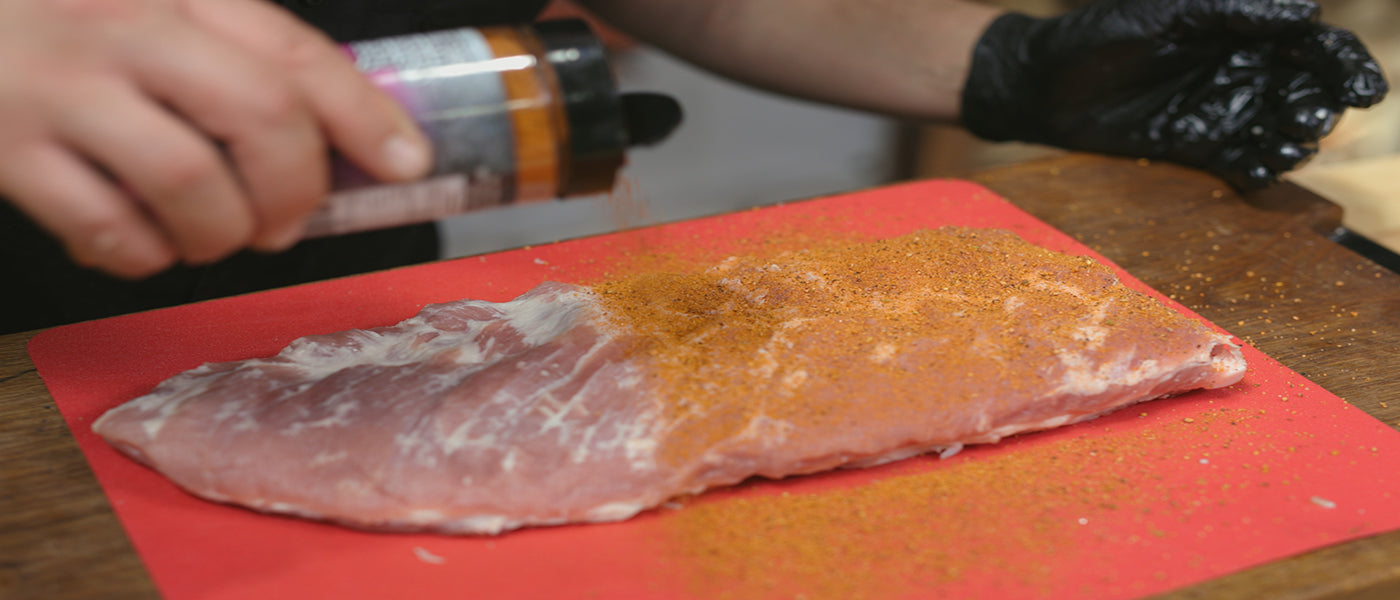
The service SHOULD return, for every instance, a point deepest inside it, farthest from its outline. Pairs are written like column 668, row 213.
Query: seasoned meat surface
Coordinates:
column 579, row 404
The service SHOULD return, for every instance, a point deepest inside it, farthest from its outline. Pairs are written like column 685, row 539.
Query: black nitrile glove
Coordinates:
column 1241, row 88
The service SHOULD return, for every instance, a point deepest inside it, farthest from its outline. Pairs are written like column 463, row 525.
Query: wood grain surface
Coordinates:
column 58, row 536
column 1262, row 267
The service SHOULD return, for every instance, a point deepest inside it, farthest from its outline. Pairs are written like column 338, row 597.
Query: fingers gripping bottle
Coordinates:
column 514, row 114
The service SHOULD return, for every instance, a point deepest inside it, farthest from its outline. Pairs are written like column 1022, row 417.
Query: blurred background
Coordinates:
column 739, row 148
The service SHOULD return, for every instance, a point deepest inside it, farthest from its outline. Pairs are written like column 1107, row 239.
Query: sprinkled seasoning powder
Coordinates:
column 995, row 512
column 839, row 337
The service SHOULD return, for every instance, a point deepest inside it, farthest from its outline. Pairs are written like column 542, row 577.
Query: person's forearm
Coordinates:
column 905, row 58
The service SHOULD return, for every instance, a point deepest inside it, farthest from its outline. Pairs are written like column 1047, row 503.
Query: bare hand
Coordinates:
column 145, row 132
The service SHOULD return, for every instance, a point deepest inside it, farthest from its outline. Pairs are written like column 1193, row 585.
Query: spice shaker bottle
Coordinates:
column 514, row 114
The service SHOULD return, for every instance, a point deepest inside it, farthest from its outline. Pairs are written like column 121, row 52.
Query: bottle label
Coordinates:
column 381, row 206
column 450, row 83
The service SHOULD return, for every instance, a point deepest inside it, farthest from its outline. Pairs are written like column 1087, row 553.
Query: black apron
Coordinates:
column 41, row 287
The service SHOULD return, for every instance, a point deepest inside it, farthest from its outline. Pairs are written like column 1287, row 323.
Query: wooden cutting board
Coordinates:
column 1149, row 499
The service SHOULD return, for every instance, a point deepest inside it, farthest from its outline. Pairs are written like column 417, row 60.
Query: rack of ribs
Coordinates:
column 579, row 403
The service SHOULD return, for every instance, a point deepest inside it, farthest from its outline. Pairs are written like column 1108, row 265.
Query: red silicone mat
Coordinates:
column 1155, row 497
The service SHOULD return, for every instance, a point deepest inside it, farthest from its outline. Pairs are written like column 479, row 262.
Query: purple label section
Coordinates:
column 388, row 80
column 450, row 84
column 348, row 211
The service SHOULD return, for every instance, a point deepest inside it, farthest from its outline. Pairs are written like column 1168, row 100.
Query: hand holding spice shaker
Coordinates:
column 515, row 114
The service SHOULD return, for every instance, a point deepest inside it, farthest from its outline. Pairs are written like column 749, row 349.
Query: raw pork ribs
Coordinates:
column 577, row 404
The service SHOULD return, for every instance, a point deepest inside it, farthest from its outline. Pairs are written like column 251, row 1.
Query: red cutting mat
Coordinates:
column 1151, row 498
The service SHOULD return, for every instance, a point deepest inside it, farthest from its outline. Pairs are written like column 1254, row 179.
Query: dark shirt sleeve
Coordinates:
column 349, row 20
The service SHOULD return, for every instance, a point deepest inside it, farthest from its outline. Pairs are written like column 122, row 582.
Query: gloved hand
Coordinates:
column 1241, row 88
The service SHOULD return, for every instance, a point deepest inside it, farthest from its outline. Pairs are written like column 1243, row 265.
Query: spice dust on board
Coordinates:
column 1158, row 492
column 1017, row 514
column 798, row 315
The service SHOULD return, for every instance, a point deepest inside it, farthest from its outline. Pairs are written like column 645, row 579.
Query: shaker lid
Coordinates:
column 592, row 107
column 602, row 123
